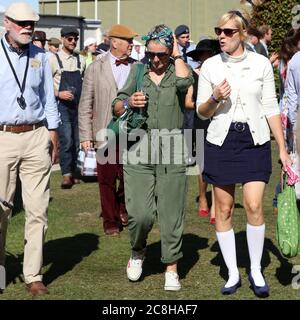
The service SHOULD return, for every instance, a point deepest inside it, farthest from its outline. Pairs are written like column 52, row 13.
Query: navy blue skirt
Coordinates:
column 238, row 160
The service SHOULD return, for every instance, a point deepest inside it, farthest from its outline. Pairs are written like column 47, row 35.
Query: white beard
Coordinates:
column 22, row 37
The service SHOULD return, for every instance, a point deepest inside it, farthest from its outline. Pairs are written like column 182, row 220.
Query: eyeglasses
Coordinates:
column 70, row 39
column 227, row 31
column 23, row 24
column 159, row 55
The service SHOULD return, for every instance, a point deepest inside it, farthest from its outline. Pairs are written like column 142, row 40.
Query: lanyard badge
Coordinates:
column 21, row 101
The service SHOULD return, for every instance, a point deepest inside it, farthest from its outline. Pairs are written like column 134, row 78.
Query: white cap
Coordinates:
column 21, row 11
column 136, row 43
column 89, row 41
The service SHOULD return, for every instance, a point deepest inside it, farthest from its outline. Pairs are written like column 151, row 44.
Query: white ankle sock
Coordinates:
column 227, row 245
column 255, row 240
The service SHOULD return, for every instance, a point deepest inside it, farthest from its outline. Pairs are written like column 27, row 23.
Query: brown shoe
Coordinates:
column 112, row 232
column 36, row 288
column 124, row 218
column 67, row 182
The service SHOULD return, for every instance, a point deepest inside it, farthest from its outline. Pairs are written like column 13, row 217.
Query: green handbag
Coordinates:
column 132, row 119
column 288, row 222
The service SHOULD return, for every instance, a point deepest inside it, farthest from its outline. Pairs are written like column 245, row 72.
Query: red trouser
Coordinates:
column 112, row 198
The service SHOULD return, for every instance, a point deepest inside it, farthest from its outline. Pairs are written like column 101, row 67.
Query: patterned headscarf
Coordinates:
column 161, row 34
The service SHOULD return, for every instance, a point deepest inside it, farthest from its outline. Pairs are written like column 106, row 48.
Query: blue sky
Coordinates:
column 5, row 3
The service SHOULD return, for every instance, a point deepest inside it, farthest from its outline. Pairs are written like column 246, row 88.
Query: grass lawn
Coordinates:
column 80, row 262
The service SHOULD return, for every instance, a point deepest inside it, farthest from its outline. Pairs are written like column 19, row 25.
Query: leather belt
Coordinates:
column 21, row 127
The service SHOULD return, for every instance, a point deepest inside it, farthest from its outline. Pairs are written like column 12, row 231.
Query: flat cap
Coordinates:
column 21, row 11
column 121, row 31
column 68, row 30
column 39, row 36
column 54, row 42
column 181, row 30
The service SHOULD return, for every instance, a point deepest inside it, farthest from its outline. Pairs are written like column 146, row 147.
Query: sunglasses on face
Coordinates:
column 24, row 24
column 159, row 55
column 227, row 31
column 70, row 39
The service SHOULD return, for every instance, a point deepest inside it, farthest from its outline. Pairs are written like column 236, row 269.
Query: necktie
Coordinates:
column 118, row 62
column 184, row 54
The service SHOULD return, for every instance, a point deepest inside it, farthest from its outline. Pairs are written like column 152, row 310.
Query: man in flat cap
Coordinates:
column 67, row 69
column 53, row 47
column 182, row 34
column 101, row 82
column 28, row 122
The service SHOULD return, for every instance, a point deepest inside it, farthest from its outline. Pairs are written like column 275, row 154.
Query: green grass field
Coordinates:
column 80, row 262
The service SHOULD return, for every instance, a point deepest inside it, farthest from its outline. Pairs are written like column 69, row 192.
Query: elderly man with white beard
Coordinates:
column 28, row 138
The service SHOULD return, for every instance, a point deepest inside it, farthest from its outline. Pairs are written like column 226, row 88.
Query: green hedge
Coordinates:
column 277, row 14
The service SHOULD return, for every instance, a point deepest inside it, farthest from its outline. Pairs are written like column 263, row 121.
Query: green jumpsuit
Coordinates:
column 158, row 187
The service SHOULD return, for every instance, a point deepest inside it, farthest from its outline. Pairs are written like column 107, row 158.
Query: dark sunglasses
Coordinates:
column 23, row 24
column 159, row 55
column 70, row 39
column 227, row 31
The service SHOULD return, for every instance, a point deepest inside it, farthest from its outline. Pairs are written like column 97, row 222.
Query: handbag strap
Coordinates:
column 139, row 76
column 285, row 180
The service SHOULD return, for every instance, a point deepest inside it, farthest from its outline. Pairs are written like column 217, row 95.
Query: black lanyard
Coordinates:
column 21, row 101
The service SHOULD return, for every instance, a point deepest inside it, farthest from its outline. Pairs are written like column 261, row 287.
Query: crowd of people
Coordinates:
column 58, row 101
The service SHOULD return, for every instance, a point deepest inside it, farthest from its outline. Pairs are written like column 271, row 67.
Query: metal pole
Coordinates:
column 78, row 8
column 119, row 9
column 57, row 7
column 191, row 18
column 96, row 9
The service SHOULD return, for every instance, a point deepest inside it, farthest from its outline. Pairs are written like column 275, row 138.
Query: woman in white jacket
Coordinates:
column 236, row 89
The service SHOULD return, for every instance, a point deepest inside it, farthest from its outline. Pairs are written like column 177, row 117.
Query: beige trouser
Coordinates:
column 27, row 152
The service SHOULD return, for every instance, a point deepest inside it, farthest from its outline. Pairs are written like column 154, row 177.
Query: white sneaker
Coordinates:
column 172, row 281
column 134, row 266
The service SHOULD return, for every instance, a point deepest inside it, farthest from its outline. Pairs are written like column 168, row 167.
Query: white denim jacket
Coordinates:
column 256, row 88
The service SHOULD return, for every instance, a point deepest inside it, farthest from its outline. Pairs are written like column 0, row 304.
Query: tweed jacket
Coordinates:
column 99, row 89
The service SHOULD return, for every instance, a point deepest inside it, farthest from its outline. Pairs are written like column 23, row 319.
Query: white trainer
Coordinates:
column 172, row 281
column 134, row 266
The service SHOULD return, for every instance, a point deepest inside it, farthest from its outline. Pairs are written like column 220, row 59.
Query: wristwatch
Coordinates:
column 214, row 99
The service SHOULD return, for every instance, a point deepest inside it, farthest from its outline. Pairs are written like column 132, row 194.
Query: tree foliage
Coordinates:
column 279, row 15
